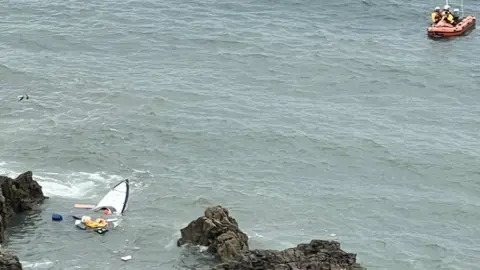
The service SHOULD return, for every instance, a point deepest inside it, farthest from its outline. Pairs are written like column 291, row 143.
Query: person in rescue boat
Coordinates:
column 445, row 11
column 456, row 16
column 447, row 15
column 450, row 18
column 436, row 16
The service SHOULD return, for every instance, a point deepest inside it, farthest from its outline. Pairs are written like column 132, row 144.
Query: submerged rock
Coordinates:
column 17, row 195
column 220, row 233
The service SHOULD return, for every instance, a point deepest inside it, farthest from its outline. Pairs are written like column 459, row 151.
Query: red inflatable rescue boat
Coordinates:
column 445, row 30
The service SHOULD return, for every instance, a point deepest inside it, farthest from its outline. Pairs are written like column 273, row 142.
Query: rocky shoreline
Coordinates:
column 218, row 231
column 18, row 195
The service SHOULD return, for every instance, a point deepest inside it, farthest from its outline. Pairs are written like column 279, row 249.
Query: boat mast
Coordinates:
column 461, row 7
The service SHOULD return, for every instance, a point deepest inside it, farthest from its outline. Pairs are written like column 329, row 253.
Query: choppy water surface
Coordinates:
column 306, row 119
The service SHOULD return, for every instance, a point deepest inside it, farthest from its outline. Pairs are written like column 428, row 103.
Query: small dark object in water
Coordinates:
column 80, row 225
column 24, row 96
column 57, row 217
column 101, row 230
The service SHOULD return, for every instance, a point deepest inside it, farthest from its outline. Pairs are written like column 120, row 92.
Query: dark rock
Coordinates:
column 317, row 255
column 220, row 232
column 9, row 261
column 17, row 195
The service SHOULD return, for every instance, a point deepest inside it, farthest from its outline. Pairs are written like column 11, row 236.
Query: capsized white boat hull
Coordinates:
column 116, row 199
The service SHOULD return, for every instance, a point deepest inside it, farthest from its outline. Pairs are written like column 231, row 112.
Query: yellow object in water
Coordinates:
column 98, row 223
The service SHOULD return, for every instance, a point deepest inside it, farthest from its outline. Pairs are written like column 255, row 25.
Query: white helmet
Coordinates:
column 437, row 8
column 456, row 10
column 85, row 219
column 446, row 7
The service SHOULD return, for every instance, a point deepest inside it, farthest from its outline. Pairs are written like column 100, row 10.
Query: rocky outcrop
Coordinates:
column 9, row 261
column 17, row 195
column 318, row 254
column 220, row 233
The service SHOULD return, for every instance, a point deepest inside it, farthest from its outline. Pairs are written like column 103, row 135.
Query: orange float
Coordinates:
column 445, row 30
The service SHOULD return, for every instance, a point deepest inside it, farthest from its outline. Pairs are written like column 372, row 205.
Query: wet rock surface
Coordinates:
column 9, row 261
column 17, row 195
column 218, row 231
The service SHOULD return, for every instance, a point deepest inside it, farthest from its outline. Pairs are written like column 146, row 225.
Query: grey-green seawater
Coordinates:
column 307, row 119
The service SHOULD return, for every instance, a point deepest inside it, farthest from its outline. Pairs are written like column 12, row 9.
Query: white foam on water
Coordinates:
column 77, row 185
column 54, row 189
column 37, row 265
column 268, row 240
column 172, row 244
column 5, row 172
column 259, row 235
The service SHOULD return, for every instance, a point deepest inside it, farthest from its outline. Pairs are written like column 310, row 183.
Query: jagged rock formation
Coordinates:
column 9, row 261
column 220, row 233
column 17, row 195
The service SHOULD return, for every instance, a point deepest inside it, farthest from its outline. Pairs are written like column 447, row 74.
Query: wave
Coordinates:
column 73, row 185
column 37, row 265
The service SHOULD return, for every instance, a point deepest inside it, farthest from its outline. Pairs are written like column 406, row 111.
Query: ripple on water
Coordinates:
column 296, row 121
